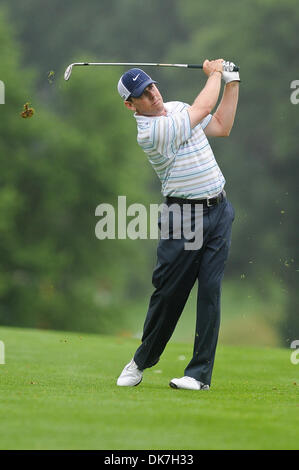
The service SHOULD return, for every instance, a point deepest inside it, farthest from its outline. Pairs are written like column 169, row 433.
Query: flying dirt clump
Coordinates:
column 28, row 112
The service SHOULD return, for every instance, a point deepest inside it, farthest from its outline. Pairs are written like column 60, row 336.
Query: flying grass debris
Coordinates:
column 51, row 76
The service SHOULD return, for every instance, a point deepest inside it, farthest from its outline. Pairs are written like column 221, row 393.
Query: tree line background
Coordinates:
column 79, row 150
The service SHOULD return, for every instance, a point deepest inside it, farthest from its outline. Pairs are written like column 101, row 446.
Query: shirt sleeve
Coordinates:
column 169, row 132
column 205, row 121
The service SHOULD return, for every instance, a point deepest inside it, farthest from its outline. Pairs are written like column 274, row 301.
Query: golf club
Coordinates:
column 69, row 69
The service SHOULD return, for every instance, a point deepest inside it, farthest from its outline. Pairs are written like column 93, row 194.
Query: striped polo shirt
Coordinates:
column 181, row 156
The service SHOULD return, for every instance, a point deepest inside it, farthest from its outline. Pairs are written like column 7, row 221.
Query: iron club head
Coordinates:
column 68, row 72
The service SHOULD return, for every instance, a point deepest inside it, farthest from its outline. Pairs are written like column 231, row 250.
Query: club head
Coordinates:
column 68, row 72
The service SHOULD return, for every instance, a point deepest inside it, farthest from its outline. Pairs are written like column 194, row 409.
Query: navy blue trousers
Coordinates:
column 174, row 276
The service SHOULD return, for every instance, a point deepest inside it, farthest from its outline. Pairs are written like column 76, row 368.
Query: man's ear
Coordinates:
column 129, row 105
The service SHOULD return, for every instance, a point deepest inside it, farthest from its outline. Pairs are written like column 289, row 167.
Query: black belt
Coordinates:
column 208, row 202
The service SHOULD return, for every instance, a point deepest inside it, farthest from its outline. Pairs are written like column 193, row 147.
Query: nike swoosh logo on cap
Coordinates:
column 135, row 78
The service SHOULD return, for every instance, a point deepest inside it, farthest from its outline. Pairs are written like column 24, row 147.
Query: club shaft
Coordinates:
column 130, row 64
column 142, row 64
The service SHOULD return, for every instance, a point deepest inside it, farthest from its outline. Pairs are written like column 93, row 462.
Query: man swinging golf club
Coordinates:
column 174, row 137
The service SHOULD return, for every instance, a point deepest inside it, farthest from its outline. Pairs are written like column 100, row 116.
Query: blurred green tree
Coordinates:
column 121, row 31
column 54, row 272
column 259, row 159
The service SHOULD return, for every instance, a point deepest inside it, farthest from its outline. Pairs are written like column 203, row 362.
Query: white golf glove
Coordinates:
column 228, row 75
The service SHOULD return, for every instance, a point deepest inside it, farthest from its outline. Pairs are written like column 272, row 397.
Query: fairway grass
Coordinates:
column 58, row 391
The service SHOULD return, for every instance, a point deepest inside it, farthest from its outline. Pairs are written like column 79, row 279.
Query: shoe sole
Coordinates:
column 173, row 385
column 135, row 385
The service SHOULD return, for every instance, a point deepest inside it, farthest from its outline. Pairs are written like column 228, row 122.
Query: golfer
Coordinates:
column 174, row 135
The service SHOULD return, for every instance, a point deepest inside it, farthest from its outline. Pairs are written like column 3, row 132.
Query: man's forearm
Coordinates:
column 208, row 96
column 206, row 100
column 226, row 111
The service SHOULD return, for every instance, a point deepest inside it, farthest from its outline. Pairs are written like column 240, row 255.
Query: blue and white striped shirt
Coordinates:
column 181, row 156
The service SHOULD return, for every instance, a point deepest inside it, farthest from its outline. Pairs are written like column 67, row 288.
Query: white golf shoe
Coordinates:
column 188, row 383
column 130, row 376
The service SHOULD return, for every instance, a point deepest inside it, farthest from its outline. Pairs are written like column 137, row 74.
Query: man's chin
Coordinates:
column 159, row 109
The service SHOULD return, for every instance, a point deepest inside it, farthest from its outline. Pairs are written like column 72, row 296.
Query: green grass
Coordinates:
column 57, row 391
